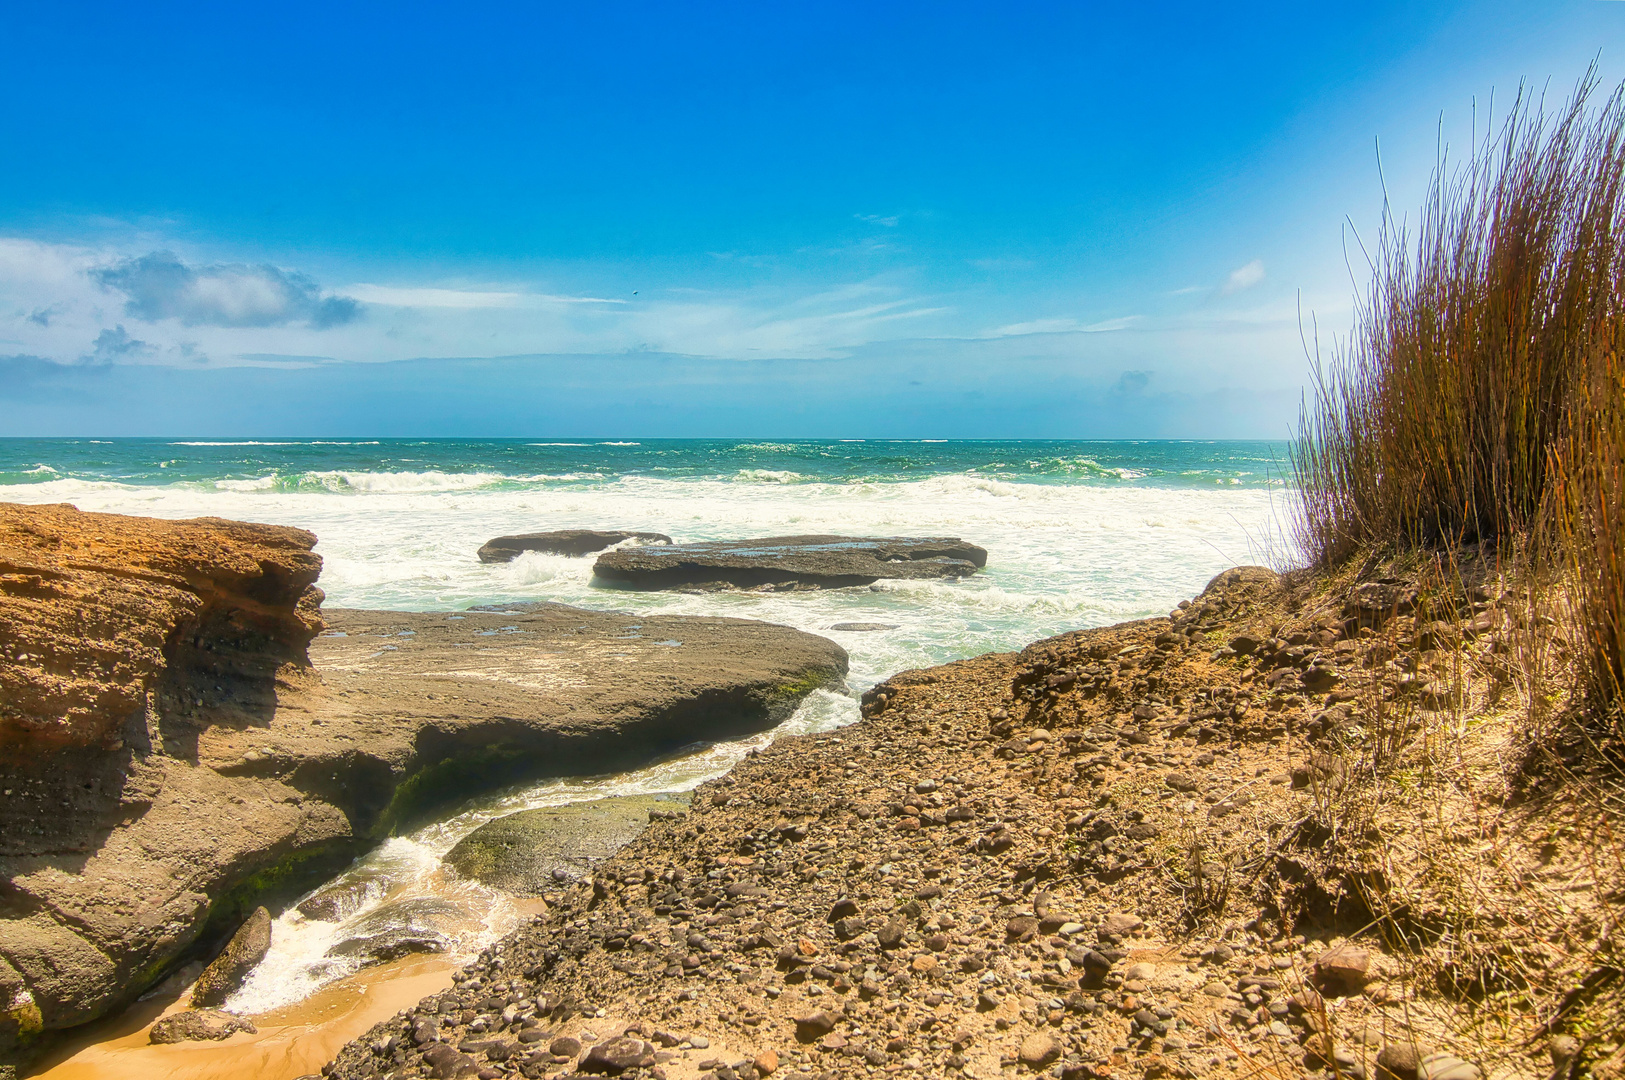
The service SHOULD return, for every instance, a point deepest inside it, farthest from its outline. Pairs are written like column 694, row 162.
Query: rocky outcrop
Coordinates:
column 562, row 542
column 107, row 620
column 533, row 850
column 828, row 562
column 173, row 754
column 123, row 640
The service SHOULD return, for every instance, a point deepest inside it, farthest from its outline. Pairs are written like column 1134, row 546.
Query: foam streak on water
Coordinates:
column 1078, row 534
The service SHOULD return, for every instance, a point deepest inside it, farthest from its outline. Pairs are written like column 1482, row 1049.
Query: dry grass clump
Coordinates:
column 1588, row 517
column 1435, row 422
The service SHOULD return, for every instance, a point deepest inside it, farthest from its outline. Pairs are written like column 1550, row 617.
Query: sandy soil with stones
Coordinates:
column 1047, row 862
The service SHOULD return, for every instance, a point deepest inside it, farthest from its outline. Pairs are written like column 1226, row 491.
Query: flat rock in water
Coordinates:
column 562, row 542
column 863, row 626
column 527, row 852
column 421, row 924
column 389, row 945
column 485, row 696
column 790, row 561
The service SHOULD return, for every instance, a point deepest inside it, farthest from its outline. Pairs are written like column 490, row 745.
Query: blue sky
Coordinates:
column 715, row 219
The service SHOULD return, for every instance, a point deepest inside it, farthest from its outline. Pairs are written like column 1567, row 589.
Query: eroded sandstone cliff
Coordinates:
column 104, row 618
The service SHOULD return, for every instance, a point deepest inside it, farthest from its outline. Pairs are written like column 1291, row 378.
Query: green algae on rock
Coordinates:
column 532, row 850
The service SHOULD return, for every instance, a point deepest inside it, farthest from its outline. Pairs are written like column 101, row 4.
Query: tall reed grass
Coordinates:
column 1434, row 422
column 1478, row 397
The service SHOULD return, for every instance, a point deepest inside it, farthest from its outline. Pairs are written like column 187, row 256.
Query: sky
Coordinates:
column 822, row 220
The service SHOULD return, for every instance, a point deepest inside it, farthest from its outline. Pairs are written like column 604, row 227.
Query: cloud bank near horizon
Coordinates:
column 899, row 394
column 81, row 307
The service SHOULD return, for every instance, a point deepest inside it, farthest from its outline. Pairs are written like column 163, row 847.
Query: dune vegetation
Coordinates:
column 1467, row 437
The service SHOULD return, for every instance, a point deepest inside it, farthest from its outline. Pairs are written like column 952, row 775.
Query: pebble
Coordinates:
column 1038, row 1050
column 1343, row 969
column 1401, row 1060
column 1442, row 1066
column 1120, row 924
column 814, row 1023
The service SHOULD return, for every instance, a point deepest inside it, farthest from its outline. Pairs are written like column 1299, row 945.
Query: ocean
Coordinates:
column 1078, row 534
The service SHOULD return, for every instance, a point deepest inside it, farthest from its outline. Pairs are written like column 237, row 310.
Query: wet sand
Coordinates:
column 292, row 1042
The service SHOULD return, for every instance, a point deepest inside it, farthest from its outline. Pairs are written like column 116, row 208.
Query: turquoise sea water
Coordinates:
column 338, row 465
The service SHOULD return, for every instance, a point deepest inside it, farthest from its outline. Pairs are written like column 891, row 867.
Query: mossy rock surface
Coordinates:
column 532, row 850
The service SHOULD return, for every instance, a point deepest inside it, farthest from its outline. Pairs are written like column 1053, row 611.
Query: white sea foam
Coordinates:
column 769, row 476
column 403, row 482
column 258, row 483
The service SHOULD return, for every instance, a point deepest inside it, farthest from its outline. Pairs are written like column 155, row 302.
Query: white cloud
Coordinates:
column 1064, row 326
column 1110, row 325
column 115, row 346
column 160, row 286
column 1038, row 326
column 394, row 296
column 225, row 312
column 1244, row 277
column 390, row 296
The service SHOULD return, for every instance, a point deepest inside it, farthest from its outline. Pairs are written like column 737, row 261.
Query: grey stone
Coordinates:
column 614, row 1056
column 1399, row 1061
column 562, row 542
column 1039, row 1050
column 817, row 561
column 197, row 1025
column 814, row 1024
column 1442, row 1066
